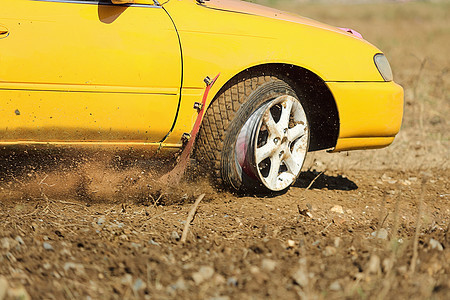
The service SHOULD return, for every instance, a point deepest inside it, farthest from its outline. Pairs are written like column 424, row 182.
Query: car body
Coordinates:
column 77, row 72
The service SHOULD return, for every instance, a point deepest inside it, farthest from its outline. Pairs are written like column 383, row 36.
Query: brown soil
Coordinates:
column 374, row 224
column 62, row 236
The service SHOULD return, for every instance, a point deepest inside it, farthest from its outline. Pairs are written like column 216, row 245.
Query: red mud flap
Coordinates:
column 175, row 175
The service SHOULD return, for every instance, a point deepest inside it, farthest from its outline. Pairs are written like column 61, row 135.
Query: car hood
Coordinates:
column 263, row 11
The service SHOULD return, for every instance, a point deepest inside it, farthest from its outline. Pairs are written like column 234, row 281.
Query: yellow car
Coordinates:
column 141, row 73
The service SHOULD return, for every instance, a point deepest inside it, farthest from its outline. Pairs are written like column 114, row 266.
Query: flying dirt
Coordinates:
column 90, row 225
column 98, row 224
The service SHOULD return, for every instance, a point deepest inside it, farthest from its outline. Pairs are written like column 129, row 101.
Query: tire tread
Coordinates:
column 217, row 118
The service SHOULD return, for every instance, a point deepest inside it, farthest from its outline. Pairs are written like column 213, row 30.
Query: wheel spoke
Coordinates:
column 291, row 164
column 300, row 147
column 265, row 151
column 275, row 162
column 296, row 131
column 286, row 108
column 270, row 124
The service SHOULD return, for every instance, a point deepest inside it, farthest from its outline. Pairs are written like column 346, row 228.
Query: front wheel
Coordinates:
column 258, row 139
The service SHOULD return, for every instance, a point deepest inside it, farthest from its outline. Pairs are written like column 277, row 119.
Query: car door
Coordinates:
column 87, row 71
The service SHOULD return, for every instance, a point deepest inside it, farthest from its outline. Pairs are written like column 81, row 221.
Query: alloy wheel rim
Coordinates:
column 272, row 144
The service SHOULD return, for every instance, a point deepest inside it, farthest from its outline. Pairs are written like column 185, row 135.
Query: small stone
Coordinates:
column 301, row 277
column 268, row 264
column 66, row 252
column 180, row 284
column 329, row 251
column 373, row 267
column 77, row 268
column 101, row 221
column 254, row 270
column 436, row 245
column 11, row 257
column 232, row 281
column 20, row 240
column 123, row 237
column 402, row 269
column 337, row 242
column 291, row 243
column 335, row 286
column 152, row 242
column 337, row 209
column 138, row 285
column 381, row 234
column 218, row 279
column 258, row 276
column 127, row 279
column 136, row 245
column 47, row 266
column 384, row 177
column 3, row 287
column 175, row 236
column 203, row 274
column 5, row 244
column 359, row 276
column 47, row 246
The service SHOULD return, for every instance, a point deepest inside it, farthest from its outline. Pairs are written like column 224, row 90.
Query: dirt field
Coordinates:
column 371, row 224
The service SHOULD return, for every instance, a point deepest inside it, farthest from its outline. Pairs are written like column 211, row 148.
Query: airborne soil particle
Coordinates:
column 114, row 233
column 62, row 244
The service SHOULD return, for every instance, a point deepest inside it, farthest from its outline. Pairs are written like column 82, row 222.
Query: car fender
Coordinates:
column 217, row 41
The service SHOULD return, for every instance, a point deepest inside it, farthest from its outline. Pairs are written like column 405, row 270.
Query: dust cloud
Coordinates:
column 93, row 176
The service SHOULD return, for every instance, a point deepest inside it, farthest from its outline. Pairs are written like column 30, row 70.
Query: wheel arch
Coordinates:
column 317, row 99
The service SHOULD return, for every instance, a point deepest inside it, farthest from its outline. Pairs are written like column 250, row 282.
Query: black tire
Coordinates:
column 223, row 121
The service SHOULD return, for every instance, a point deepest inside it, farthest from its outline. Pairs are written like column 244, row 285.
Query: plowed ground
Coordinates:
column 372, row 224
column 334, row 234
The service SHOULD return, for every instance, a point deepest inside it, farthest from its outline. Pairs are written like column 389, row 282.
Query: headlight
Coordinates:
column 383, row 66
